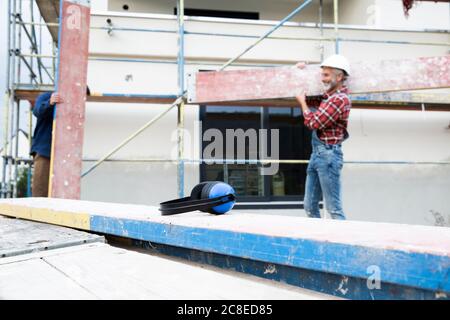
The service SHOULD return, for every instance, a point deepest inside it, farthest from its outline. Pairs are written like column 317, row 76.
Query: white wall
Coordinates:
column 424, row 14
column 378, row 13
column 389, row 14
column 269, row 10
column 404, row 193
column 221, row 48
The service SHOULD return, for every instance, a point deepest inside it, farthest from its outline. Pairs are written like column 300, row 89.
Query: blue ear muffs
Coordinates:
column 215, row 197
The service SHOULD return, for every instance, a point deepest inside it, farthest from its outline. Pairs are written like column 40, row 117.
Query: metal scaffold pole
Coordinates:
column 180, row 107
column 321, row 48
column 16, row 107
column 336, row 23
column 135, row 134
column 268, row 33
column 5, row 144
column 9, row 145
column 16, row 148
column 18, row 48
column 30, row 135
column 6, row 101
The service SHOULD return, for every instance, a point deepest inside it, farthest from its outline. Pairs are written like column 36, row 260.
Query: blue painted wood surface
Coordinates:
column 418, row 270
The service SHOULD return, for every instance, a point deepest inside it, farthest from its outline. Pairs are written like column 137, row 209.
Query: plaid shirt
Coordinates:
column 331, row 118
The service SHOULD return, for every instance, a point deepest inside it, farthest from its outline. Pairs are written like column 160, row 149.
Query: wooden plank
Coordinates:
column 20, row 236
column 68, row 124
column 49, row 10
column 285, row 82
column 44, row 214
column 409, row 256
column 132, row 98
column 31, row 95
column 100, row 271
column 356, row 104
column 384, row 100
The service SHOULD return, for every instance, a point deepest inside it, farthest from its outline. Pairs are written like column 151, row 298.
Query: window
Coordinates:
column 220, row 14
column 295, row 144
column 288, row 184
column 244, row 178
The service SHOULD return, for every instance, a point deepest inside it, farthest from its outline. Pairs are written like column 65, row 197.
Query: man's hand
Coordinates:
column 301, row 65
column 301, row 98
column 55, row 98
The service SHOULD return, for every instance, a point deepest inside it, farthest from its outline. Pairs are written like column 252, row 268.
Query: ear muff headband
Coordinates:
column 213, row 197
column 196, row 192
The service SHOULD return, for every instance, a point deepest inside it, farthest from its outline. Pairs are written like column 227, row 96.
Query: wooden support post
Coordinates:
column 68, row 123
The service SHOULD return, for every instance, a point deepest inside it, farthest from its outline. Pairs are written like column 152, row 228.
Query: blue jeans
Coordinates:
column 324, row 178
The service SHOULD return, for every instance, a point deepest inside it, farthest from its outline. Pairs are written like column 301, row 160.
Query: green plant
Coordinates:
column 22, row 182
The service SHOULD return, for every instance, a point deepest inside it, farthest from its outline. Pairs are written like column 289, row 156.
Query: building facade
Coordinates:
column 397, row 160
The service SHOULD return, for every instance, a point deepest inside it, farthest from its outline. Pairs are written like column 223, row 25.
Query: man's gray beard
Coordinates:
column 328, row 86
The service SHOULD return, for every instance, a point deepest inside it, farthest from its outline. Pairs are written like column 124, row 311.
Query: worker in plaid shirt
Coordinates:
column 329, row 125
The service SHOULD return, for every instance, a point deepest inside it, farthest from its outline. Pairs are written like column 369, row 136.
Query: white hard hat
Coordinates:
column 338, row 62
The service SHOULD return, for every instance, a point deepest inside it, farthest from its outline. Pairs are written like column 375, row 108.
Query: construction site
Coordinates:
column 182, row 139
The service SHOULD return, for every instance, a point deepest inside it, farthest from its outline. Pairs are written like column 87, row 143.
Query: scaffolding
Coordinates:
column 41, row 78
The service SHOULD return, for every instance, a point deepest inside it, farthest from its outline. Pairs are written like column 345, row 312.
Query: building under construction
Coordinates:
column 167, row 76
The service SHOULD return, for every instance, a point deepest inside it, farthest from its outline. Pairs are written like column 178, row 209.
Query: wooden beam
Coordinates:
column 31, row 95
column 132, row 98
column 406, row 102
column 49, row 10
column 409, row 257
column 415, row 105
column 68, row 124
column 281, row 83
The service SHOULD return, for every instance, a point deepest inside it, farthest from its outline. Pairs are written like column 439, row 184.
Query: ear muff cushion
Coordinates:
column 207, row 188
column 217, row 189
column 196, row 192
